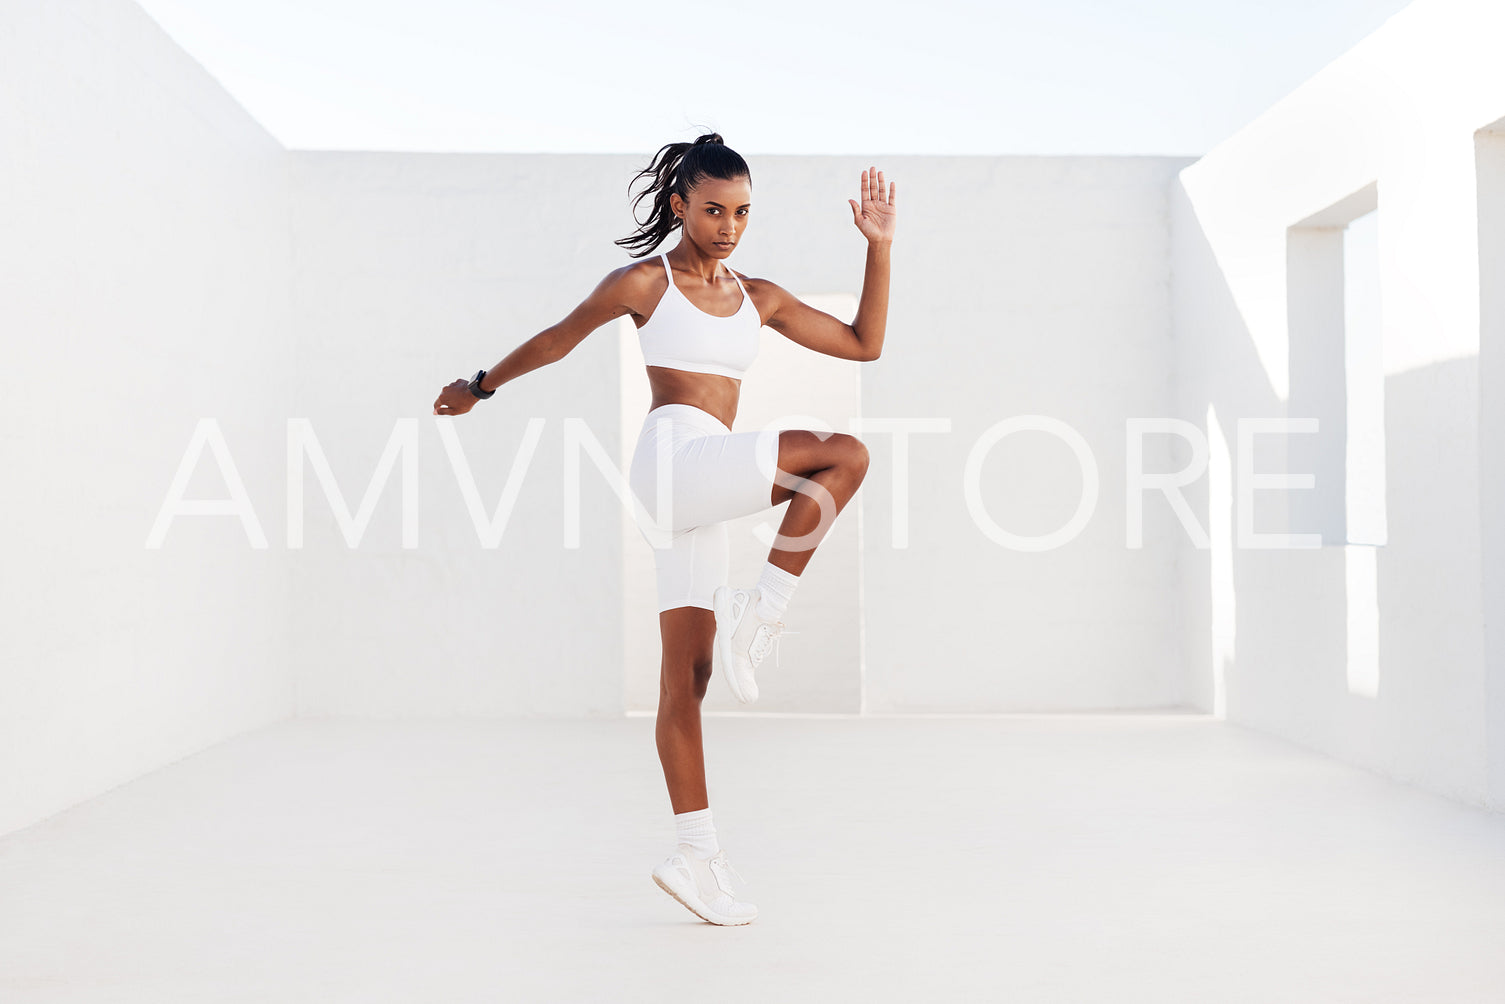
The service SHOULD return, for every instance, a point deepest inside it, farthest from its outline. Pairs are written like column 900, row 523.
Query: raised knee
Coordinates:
column 856, row 453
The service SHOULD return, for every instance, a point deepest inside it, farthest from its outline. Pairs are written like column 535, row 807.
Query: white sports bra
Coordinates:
column 680, row 335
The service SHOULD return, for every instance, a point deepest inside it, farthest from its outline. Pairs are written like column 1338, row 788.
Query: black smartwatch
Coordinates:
column 475, row 386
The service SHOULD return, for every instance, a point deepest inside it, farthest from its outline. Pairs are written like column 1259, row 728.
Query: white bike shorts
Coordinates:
column 710, row 475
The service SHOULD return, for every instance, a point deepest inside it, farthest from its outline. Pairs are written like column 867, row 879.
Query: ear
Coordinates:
column 676, row 205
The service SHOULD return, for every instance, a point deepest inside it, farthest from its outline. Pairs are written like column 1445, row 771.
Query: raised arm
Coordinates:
column 617, row 294
column 863, row 338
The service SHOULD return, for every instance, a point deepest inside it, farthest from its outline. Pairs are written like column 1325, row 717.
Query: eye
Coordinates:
column 742, row 212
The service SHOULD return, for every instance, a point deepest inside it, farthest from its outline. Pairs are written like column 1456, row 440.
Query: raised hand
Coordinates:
column 875, row 217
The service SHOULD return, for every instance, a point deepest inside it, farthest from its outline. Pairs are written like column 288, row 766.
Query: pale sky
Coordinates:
column 780, row 76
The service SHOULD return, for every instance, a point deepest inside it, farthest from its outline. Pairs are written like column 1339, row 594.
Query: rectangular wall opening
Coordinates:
column 1338, row 377
column 1337, row 370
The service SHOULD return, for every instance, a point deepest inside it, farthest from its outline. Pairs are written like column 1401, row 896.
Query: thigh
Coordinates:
column 803, row 452
column 709, row 478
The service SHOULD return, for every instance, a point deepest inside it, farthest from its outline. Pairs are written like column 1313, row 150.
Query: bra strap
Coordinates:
column 670, row 273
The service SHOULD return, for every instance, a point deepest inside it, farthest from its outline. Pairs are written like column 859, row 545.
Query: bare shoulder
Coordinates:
column 757, row 285
column 636, row 285
column 636, row 274
column 766, row 293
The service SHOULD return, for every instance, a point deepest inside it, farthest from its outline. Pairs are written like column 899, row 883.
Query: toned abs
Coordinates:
column 710, row 392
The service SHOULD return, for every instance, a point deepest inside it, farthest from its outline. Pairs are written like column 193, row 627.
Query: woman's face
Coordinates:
column 716, row 214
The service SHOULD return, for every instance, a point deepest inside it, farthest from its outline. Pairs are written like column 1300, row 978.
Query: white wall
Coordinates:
column 195, row 269
column 1400, row 112
column 402, row 261
column 1491, row 168
column 169, row 262
column 1023, row 286
column 409, row 271
column 143, row 286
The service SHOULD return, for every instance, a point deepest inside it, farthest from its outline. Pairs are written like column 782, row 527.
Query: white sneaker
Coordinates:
column 743, row 639
column 704, row 885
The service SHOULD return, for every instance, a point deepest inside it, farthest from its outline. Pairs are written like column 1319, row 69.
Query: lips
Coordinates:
column 723, row 244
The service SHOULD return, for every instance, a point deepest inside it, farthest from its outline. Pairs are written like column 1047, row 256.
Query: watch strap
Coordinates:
column 475, row 386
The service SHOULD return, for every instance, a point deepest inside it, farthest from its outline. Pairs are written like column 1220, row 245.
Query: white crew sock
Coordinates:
column 776, row 589
column 697, row 830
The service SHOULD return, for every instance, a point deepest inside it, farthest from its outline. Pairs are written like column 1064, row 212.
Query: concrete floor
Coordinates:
column 1156, row 858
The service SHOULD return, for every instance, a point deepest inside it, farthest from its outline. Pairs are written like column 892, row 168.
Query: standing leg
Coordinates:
column 698, row 877
column 697, row 874
column 683, row 678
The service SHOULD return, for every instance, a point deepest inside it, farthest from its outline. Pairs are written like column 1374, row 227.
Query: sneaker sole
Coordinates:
column 721, row 659
column 699, row 910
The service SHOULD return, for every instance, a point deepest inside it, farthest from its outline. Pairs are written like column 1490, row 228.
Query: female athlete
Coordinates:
column 699, row 325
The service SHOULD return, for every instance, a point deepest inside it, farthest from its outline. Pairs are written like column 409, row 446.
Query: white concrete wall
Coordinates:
column 1268, row 637
column 401, row 262
column 143, row 286
column 1023, row 286
column 1491, row 381
column 169, row 262
column 408, row 272
column 196, row 270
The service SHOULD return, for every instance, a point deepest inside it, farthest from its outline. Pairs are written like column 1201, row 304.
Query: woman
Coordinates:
column 698, row 321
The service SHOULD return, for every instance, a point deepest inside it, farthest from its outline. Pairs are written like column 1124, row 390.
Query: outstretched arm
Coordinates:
column 612, row 297
column 863, row 338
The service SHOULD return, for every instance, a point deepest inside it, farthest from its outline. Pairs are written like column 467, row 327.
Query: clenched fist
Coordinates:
column 456, row 399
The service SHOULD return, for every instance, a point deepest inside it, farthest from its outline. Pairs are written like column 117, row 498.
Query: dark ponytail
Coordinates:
column 675, row 169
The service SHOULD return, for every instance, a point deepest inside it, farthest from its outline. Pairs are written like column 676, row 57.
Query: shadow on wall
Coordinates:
column 1351, row 648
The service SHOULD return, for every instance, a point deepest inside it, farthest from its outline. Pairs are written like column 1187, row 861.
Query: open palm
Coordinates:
column 876, row 216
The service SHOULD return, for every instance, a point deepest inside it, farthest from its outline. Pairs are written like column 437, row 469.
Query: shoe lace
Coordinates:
column 720, row 866
column 768, row 638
